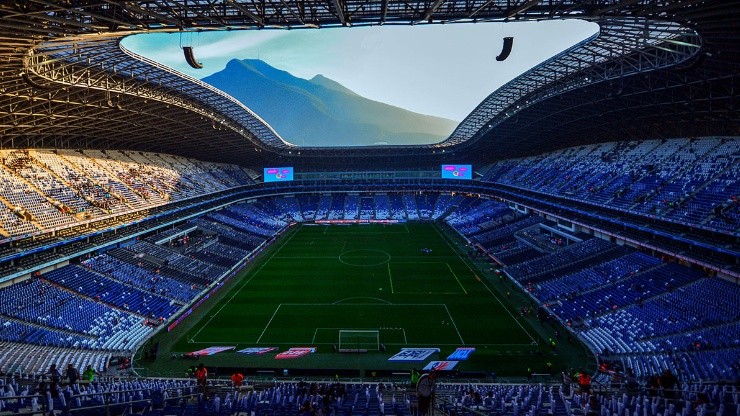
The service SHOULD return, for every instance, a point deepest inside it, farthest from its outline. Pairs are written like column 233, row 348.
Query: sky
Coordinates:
column 439, row 70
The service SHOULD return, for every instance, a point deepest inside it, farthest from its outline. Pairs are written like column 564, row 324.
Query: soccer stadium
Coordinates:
column 571, row 246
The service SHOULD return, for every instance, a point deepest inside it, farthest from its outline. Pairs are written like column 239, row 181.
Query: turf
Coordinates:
column 407, row 281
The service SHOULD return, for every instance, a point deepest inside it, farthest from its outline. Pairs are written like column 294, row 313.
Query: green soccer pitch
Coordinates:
column 407, row 281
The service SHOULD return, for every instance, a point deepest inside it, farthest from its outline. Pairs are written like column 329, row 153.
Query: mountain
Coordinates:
column 322, row 112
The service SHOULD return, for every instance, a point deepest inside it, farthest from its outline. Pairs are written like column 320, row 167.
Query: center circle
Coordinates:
column 364, row 257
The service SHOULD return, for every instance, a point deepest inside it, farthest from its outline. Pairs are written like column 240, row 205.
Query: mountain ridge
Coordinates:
column 321, row 111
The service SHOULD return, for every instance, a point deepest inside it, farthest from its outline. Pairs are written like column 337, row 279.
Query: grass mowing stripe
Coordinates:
column 534, row 341
column 243, row 285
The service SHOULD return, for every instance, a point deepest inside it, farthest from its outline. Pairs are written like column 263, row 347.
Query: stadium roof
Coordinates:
column 655, row 69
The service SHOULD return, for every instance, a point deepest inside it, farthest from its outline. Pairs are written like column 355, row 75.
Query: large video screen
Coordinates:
column 278, row 174
column 457, row 172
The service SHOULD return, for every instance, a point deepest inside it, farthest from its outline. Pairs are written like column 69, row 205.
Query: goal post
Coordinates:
column 359, row 340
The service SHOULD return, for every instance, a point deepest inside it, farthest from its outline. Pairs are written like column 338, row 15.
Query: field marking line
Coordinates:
column 244, row 284
column 453, row 324
column 315, row 333
column 350, row 229
column 344, row 328
column 390, row 277
column 433, row 293
column 428, row 293
column 426, row 256
column 454, row 250
column 363, row 249
column 376, row 233
column 420, row 262
column 458, row 280
column 330, row 343
column 534, row 341
column 362, row 304
column 268, row 323
column 395, row 257
column 361, row 297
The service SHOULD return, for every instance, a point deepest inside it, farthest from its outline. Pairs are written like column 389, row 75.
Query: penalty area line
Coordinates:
column 243, row 285
column 453, row 323
column 534, row 341
column 268, row 323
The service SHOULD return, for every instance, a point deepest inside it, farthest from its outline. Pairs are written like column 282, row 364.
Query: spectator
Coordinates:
column 425, row 392
column 584, row 382
column 414, row 376
column 668, row 383
column 54, row 377
column 237, row 379
column 567, row 381
column 306, row 409
column 201, row 374
column 653, row 384
column 72, row 375
column 632, row 385
column 89, row 374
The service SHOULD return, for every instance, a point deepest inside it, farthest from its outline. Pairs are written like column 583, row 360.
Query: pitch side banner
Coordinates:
column 364, row 221
column 413, row 354
column 209, row 351
column 257, row 351
column 440, row 365
column 461, row 354
column 294, row 353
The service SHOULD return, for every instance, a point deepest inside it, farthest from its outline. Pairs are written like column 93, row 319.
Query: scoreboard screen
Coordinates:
column 457, row 172
column 278, row 174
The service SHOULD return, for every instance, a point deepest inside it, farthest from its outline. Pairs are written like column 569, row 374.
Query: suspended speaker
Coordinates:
column 508, row 43
column 190, row 58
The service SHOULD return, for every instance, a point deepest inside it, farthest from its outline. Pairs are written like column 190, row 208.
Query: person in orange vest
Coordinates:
column 201, row 375
column 237, row 378
column 584, row 382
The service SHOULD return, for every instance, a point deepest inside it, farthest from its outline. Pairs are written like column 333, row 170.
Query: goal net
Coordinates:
column 359, row 340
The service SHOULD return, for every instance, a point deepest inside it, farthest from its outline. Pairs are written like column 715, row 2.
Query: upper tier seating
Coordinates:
column 41, row 190
column 691, row 181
